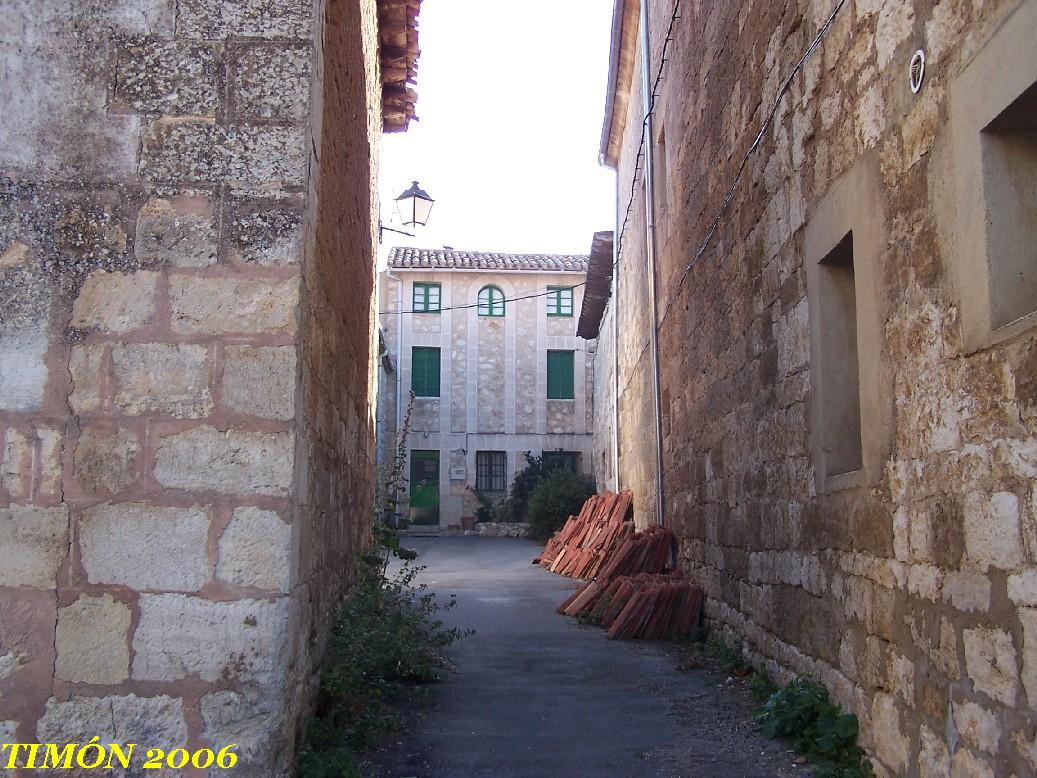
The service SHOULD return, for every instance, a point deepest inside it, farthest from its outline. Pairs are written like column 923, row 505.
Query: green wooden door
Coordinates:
column 424, row 487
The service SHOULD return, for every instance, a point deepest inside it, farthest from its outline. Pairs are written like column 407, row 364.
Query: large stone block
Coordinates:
column 967, row 591
column 168, row 77
column 1028, row 617
column 264, row 157
column 148, row 721
column 233, row 305
column 85, row 365
column 232, row 462
column 35, row 543
column 272, row 82
column 105, row 459
column 26, row 639
column 891, row 745
column 187, row 150
column 211, row 19
column 267, row 233
column 177, row 231
column 166, row 378
column 115, row 302
column 259, row 381
column 23, row 367
column 934, row 761
column 242, row 640
column 990, row 659
column 16, row 469
column 146, row 547
column 992, row 537
column 977, row 726
column 254, row 550
column 93, row 641
column 248, row 719
column 49, row 472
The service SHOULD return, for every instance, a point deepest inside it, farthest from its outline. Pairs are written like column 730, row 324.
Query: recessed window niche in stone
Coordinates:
column 839, row 370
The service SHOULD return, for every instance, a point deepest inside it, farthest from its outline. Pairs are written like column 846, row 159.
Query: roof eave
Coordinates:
column 625, row 23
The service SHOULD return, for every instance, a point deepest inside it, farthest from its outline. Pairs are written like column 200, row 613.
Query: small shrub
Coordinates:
column 802, row 713
column 761, row 685
column 558, row 495
column 385, row 639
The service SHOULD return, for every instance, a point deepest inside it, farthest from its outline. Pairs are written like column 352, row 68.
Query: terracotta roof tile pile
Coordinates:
column 632, row 594
column 580, row 548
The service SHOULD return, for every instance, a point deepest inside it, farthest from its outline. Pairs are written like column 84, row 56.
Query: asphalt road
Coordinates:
column 537, row 694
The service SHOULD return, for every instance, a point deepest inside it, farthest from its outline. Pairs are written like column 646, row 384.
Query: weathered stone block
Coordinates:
column 146, row 547
column 992, row 536
column 967, row 765
column 167, row 378
column 990, row 659
column 891, row 745
column 242, row 640
column 23, row 367
column 246, row 719
column 93, row 641
column 1028, row 617
column 16, row 471
column 269, row 235
column 212, row 19
column 977, row 726
column 934, row 761
column 260, row 381
column 254, row 550
column 233, row 305
column 232, row 462
column 48, row 477
column 265, row 157
column 272, row 82
column 168, row 77
column 35, row 542
column 182, row 150
column 967, row 591
column 155, row 721
column 115, row 302
column 178, row 231
column 85, row 365
column 105, row 460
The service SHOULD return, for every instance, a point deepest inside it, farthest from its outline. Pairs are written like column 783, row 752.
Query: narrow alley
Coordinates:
column 535, row 693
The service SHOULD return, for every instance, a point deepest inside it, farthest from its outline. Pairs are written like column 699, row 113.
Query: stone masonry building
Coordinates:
column 187, row 266
column 842, row 250
column 488, row 344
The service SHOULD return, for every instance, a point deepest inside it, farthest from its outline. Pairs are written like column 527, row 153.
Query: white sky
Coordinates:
column 511, row 98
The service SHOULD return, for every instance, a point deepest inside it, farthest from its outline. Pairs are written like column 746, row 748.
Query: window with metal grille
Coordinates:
column 426, row 298
column 490, row 471
column 559, row 301
column 560, row 371
column 491, row 301
column 424, row 373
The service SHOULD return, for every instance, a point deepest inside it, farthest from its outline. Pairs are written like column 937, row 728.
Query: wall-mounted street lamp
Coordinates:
column 413, row 207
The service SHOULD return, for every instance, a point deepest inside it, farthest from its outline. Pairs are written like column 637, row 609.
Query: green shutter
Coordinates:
column 560, row 381
column 424, row 372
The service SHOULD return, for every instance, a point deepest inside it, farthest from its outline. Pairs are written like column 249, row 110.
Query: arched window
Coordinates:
column 491, row 301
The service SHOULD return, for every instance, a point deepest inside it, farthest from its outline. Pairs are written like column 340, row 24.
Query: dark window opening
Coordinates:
column 490, row 469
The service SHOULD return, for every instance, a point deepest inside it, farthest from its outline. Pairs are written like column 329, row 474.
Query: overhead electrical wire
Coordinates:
column 476, row 304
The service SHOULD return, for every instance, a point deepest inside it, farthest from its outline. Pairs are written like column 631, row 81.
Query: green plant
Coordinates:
column 761, row 685
column 729, row 659
column 386, row 638
column 802, row 713
column 487, row 506
column 558, row 495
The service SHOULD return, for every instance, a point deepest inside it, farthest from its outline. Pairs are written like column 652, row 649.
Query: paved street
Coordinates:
column 536, row 694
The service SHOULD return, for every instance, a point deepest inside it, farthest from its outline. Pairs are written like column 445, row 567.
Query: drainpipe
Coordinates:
column 399, row 350
column 615, row 350
column 650, row 250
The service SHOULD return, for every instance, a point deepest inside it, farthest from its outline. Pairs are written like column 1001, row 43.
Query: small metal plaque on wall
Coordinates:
column 458, row 473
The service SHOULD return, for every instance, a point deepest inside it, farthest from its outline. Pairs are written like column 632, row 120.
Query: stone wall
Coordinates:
column 184, row 367
column 906, row 585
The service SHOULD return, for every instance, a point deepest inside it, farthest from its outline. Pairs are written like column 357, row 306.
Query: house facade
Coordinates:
column 487, row 344
column 818, row 361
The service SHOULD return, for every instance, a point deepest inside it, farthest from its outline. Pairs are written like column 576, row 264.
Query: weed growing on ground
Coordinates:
column 728, row 658
column 386, row 640
column 761, row 685
column 802, row 713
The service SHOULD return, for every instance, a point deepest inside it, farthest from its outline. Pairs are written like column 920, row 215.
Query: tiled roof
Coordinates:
column 599, row 286
column 449, row 259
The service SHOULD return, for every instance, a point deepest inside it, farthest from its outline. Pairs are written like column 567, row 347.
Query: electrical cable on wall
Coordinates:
column 729, row 195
